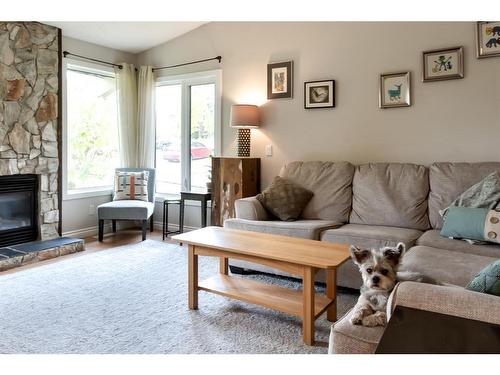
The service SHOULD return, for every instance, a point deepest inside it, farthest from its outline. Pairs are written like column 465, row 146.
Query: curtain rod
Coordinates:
column 189, row 63
column 219, row 58
column 66, row 53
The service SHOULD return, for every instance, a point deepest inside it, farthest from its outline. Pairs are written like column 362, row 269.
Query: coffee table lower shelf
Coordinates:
column 285, row 300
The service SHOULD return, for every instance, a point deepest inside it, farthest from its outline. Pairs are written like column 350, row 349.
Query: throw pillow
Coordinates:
column 478, row 224
column 487, row 281
column 285, row 199
column 131, row 186
column 484, row 194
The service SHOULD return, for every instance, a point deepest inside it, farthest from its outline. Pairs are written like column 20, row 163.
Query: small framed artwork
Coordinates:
column 488, row 39
column 319, row 94
column 394, row 90
column 280, row 80
column 443, row 64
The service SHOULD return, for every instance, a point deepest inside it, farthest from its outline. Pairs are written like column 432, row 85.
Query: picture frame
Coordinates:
column 443, row 64
column 319, row 94
column 395, row 90
column 487, row 39
column 280, row 80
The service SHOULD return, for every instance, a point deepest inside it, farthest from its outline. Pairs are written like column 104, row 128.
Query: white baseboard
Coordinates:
column 187, row 228
column 86, row 232
column 92, row 231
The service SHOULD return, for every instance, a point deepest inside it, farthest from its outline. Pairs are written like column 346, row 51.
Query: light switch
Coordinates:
column 269, row 150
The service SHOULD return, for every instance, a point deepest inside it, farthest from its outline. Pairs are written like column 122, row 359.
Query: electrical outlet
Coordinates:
column 269, row 150
column 92, row 209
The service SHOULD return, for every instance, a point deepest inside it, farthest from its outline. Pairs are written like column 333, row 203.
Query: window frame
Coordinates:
column 90, row 68
column 186, row 81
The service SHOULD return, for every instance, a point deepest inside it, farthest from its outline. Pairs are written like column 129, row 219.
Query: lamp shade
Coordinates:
column 244, row 116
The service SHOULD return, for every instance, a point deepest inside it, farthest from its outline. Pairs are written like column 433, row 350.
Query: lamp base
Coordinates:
column 243, row 143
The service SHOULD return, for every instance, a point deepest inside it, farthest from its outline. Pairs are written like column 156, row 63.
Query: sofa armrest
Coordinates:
column 450, row 300
column 250, row 209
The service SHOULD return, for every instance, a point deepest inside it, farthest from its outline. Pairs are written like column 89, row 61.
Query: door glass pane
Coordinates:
column 168, row 138
column 202, row 133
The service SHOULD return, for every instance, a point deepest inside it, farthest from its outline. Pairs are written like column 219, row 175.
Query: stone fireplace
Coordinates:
column 30, row 144
column 29, row 117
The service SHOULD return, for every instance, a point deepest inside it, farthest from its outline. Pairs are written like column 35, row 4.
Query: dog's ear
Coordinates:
column 358, row 255
column 393, row 254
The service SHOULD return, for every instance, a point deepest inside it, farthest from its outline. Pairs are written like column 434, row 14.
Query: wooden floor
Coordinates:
column 111, row 240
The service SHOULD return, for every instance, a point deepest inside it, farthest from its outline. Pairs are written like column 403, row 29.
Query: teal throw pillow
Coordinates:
column 463, row 222
column 488, row 280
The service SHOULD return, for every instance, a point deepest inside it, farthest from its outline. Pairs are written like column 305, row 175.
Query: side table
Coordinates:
column 202, row 197
column 166, row 202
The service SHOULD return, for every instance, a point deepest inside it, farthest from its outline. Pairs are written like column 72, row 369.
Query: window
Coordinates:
column 187, row 130
column 91, row 131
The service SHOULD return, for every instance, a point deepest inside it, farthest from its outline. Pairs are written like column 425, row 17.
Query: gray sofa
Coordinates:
column 379, row 204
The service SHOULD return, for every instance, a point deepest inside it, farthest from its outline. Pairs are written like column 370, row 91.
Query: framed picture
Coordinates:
column 319, row 94
column 443, row 64
column 280, row 80
column 394, row 90
column 488, row 39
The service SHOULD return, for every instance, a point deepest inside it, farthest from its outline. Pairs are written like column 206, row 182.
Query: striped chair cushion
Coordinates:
column 131, row 186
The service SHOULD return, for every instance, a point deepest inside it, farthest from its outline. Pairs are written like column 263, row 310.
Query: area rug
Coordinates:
column 133, row 299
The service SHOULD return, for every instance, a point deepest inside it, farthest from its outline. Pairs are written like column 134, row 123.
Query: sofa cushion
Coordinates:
column 346, row 338
column 449, row 180
column 331, row 184
column 444, row 265
column 284, row 199
column 309, row 229
column 390, row 194
column 125, row 210
column 371, row 236
column 368, row 236
column 432, row 238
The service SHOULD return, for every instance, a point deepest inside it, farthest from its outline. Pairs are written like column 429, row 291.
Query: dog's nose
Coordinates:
column 375, row 279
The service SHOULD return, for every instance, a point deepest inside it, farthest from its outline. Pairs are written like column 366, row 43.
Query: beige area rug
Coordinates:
column 133, row 299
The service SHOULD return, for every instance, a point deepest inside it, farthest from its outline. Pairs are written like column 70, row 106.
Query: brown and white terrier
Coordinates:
column 379, row 270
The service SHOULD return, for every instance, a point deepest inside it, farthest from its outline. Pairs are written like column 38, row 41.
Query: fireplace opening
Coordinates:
column 18, row 209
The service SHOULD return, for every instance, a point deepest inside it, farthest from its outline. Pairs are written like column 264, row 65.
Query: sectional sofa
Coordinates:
column 380, row 204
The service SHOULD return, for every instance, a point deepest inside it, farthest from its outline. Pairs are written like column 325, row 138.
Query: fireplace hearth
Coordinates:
column 18, row 209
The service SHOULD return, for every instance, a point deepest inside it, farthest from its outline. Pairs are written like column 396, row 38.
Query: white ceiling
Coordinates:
column 133, row 37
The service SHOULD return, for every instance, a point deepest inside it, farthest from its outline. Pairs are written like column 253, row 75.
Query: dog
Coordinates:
column 379, row 270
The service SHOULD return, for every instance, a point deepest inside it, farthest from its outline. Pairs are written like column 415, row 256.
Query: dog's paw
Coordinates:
column 357, row 318
column 374, row 320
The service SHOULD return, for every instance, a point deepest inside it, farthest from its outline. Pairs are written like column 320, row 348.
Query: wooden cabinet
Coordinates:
column 232, row 179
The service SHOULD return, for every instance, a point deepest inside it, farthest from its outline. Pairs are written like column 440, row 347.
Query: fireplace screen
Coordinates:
column 18, row 209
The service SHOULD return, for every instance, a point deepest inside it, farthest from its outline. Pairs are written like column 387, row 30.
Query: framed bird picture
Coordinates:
column 319, row 94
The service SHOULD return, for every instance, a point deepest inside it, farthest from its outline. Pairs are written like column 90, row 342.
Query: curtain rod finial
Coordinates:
column 219, row 58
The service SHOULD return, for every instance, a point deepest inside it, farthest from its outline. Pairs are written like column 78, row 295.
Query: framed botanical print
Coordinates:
column 488, row 39
column 443, row 64
column 319, row 94
column 394, row 90
column 280, row 80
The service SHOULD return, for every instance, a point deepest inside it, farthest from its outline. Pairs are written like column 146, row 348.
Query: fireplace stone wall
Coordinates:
column 29, row 115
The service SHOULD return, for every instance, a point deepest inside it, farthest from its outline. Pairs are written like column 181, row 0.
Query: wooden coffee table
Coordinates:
column 293, row 255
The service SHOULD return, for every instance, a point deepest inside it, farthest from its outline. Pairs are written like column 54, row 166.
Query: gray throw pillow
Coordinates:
column 484, row 194
column 285, row 199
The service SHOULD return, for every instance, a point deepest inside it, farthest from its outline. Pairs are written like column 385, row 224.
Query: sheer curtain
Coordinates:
column 146, row 115
column 126, row 84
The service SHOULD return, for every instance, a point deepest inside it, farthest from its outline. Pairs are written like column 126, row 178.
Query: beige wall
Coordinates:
column 456, row 120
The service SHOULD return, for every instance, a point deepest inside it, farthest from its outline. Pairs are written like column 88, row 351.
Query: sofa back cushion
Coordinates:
column 449, row 180
column 331, row 184
column 390, row 194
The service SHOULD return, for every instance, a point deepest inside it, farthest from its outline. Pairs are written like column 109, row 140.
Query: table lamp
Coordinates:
column 244, row 117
